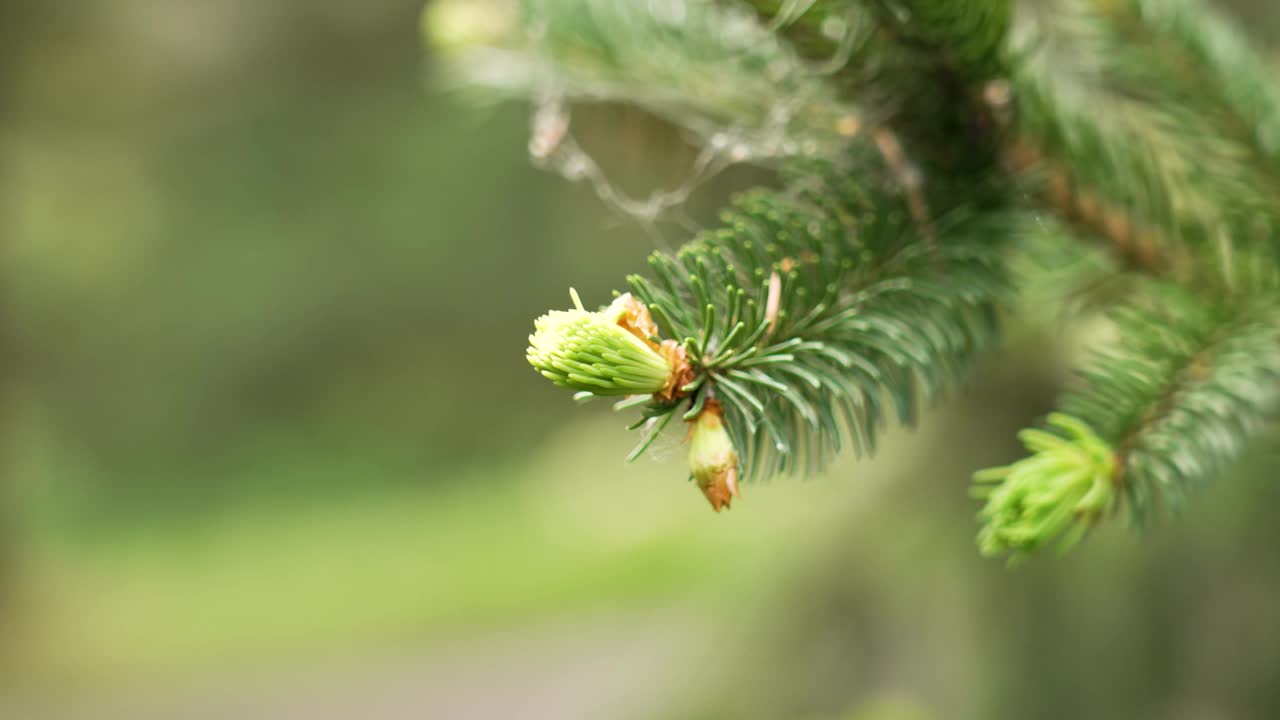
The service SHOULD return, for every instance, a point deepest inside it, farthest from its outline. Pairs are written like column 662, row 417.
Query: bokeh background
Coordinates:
column 269, row 447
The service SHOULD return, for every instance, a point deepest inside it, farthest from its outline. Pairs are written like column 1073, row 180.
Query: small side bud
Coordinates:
column 713, row 463
column 599, row 352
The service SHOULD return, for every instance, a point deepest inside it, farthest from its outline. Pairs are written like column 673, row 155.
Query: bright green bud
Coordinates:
column 713, row 462
column 464, row 24
column 591, row 351
column 1062, row 488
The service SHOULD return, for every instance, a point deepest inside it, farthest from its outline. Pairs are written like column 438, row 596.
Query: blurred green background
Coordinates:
column 269, row 446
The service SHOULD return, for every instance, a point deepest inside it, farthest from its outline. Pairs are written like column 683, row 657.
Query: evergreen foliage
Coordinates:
column 924, row 149
column 819, row 316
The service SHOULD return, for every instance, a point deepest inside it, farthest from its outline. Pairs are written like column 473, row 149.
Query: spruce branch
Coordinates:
column 919, row 149
column 813, row 317
column 867, row 310
column 1207, row 60
column 1189, row 385
column 1115, row 126
column 1180, row 54
column 1174, row 400
column 1121, row 173
column 1134, row 241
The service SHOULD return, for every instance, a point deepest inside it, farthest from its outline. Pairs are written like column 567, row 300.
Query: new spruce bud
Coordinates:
column 713, row 462
column 1060, row 490
column 603, row 352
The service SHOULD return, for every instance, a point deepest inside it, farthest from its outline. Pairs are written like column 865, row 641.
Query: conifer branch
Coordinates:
column 867, row 313
column 907, row 135
column 1209, row 63
column 1120, row 173
column 811, row 319
column 1133, row 240
column 1128, row 145
column 1180, row 395
column 1171, row 403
